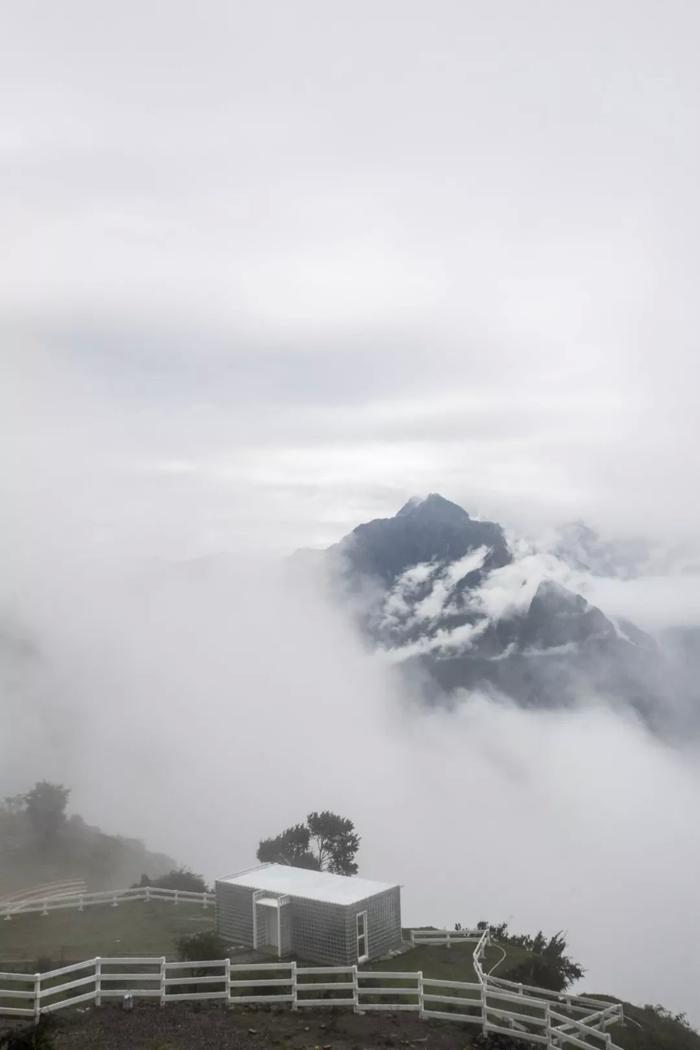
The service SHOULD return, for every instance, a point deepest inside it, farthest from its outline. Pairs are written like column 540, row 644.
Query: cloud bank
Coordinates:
column 205, row 705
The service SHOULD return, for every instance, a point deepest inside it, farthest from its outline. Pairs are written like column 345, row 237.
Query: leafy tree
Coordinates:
column 291, row 846
column 326, row 842
column 13, row 804
column 177, row 879
column 46, row 808
column 335, row 841
column 547, row 966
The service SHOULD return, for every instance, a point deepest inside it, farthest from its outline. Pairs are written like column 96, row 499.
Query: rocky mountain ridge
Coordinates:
column 444, row 596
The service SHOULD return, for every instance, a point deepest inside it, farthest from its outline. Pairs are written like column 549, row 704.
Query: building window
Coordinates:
column 362, row 953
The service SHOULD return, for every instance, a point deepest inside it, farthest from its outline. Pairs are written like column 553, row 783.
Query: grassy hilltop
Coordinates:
column 154, row 927
column 39, row 843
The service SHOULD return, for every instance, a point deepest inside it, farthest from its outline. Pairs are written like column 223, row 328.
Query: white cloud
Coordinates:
column 267, row 274
column 193, row 688
column 268, row 231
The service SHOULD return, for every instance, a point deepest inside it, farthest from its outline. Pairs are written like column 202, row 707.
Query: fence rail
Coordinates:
column 537, row 1015
column 489, row 1005
column 59, row 902
column 446, row 937
column 59, row 888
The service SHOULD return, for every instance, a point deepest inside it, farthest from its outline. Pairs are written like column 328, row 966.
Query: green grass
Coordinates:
column 451, row 964
column 133, row 928
column 445, row 964
column 646, row 1028
column 152, row 928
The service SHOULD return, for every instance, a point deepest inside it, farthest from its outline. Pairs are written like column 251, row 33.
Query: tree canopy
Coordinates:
column 46, row 808
column 291, row 846
column 547, row 965
column 177, row 879
column 326, row 842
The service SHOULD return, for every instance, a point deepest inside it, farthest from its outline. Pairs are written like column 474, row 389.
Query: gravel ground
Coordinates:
column 187, row 1027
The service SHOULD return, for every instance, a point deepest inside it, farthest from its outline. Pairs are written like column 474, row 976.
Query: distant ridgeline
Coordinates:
column 445, row 597
column 40, row 844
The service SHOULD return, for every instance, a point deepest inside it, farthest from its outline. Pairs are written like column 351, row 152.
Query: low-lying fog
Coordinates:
column 205, row 705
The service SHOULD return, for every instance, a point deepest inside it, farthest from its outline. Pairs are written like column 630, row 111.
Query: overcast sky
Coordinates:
column 268, row 269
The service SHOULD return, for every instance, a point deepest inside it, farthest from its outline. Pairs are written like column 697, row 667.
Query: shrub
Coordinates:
column 33, row 1037
column 204, row 945
column 177, row 879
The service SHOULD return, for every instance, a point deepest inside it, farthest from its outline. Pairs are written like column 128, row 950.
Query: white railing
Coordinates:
column 537, row 1015
column 536, row 1019
column 113, row 897
column 444, row 937
column 534, row 1015
column 59, row 888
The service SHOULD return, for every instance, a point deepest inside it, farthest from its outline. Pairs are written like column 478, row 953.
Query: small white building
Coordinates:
column 313, row 915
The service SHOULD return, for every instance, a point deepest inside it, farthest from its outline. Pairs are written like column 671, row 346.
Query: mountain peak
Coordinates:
column 434, row 507
column 424, row 530
column 558, row 616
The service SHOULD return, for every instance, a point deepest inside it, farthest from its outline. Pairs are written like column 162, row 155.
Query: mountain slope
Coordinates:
column 74, row 849
column 437, row 593
column 426, row 530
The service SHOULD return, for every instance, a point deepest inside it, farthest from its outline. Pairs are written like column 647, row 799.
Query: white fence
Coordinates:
column 59, row 888
column 534, row 1015
column 57, row 902
column 444, row 937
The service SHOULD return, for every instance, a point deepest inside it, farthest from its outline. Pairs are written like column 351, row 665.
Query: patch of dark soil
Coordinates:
column 191, row 1026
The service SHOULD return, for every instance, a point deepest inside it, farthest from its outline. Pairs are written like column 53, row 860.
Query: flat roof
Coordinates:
column 312, row 885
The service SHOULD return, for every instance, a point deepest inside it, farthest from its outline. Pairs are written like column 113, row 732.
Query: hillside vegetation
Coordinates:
column 653, row 1028
column 40, row 843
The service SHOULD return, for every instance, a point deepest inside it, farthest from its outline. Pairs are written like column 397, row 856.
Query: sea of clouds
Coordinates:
column 204, row 705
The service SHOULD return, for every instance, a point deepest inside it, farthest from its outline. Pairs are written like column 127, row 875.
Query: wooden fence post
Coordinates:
column 98, row 981
column 227, row 977
column 293, row 975
column 37, row 996
column 163, row 986
column 421, row 994
column 355, row 991
column 548, row 1024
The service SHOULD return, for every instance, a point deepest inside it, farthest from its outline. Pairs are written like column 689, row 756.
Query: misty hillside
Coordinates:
column 39, row 843
column 443, row 595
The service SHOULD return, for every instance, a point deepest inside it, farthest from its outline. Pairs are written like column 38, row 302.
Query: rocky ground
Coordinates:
column 190, row 1027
